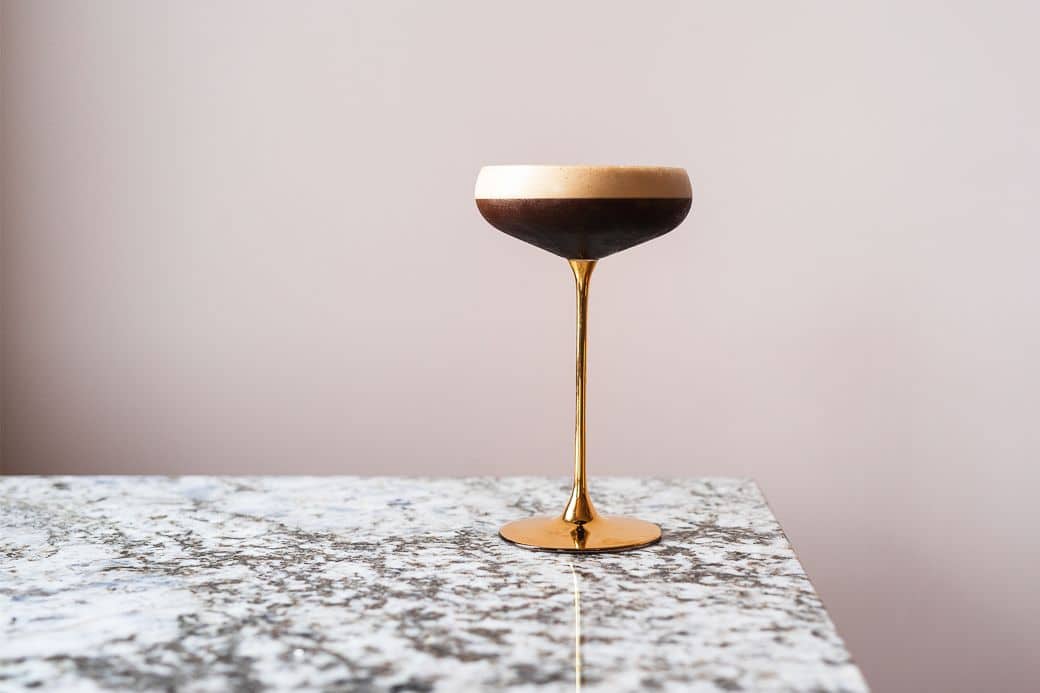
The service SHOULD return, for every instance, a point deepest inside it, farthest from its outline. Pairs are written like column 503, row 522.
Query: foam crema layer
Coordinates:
column 582, row 182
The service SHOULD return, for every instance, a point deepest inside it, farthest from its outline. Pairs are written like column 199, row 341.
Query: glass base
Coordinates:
column 599, row 534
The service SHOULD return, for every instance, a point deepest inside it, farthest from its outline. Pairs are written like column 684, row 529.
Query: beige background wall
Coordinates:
column 238, row 237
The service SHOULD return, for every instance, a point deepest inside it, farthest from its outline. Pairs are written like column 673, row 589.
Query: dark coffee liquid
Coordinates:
column 585, row 228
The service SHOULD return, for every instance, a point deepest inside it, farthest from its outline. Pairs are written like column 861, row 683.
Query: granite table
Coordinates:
column 397, row 584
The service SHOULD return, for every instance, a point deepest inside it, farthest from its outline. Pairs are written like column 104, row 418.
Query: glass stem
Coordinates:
column 579, row 508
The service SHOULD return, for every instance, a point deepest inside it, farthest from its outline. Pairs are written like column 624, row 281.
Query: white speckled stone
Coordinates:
column 373, row 584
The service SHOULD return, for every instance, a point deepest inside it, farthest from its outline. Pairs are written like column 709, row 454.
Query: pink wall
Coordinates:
column 239, row 238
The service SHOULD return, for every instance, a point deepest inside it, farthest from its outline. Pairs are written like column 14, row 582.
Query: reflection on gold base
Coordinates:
column 598, row 534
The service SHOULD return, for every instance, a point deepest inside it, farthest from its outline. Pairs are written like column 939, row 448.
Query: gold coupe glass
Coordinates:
column 583, row 214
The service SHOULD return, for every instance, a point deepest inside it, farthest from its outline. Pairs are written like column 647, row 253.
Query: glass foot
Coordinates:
column 599, row 534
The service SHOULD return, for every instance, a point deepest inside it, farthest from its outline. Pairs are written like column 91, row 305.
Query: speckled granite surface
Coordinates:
column 340, row 583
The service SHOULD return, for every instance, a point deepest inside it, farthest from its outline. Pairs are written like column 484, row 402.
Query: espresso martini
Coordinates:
column 583, row 214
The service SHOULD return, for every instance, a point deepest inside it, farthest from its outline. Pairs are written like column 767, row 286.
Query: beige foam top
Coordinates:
column 541, row 182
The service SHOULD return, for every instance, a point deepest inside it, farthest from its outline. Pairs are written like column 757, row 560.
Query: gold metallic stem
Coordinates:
column 579, row 508
column 581, row 528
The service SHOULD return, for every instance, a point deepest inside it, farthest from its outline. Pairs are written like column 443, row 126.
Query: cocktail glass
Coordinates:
column 583, row 214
